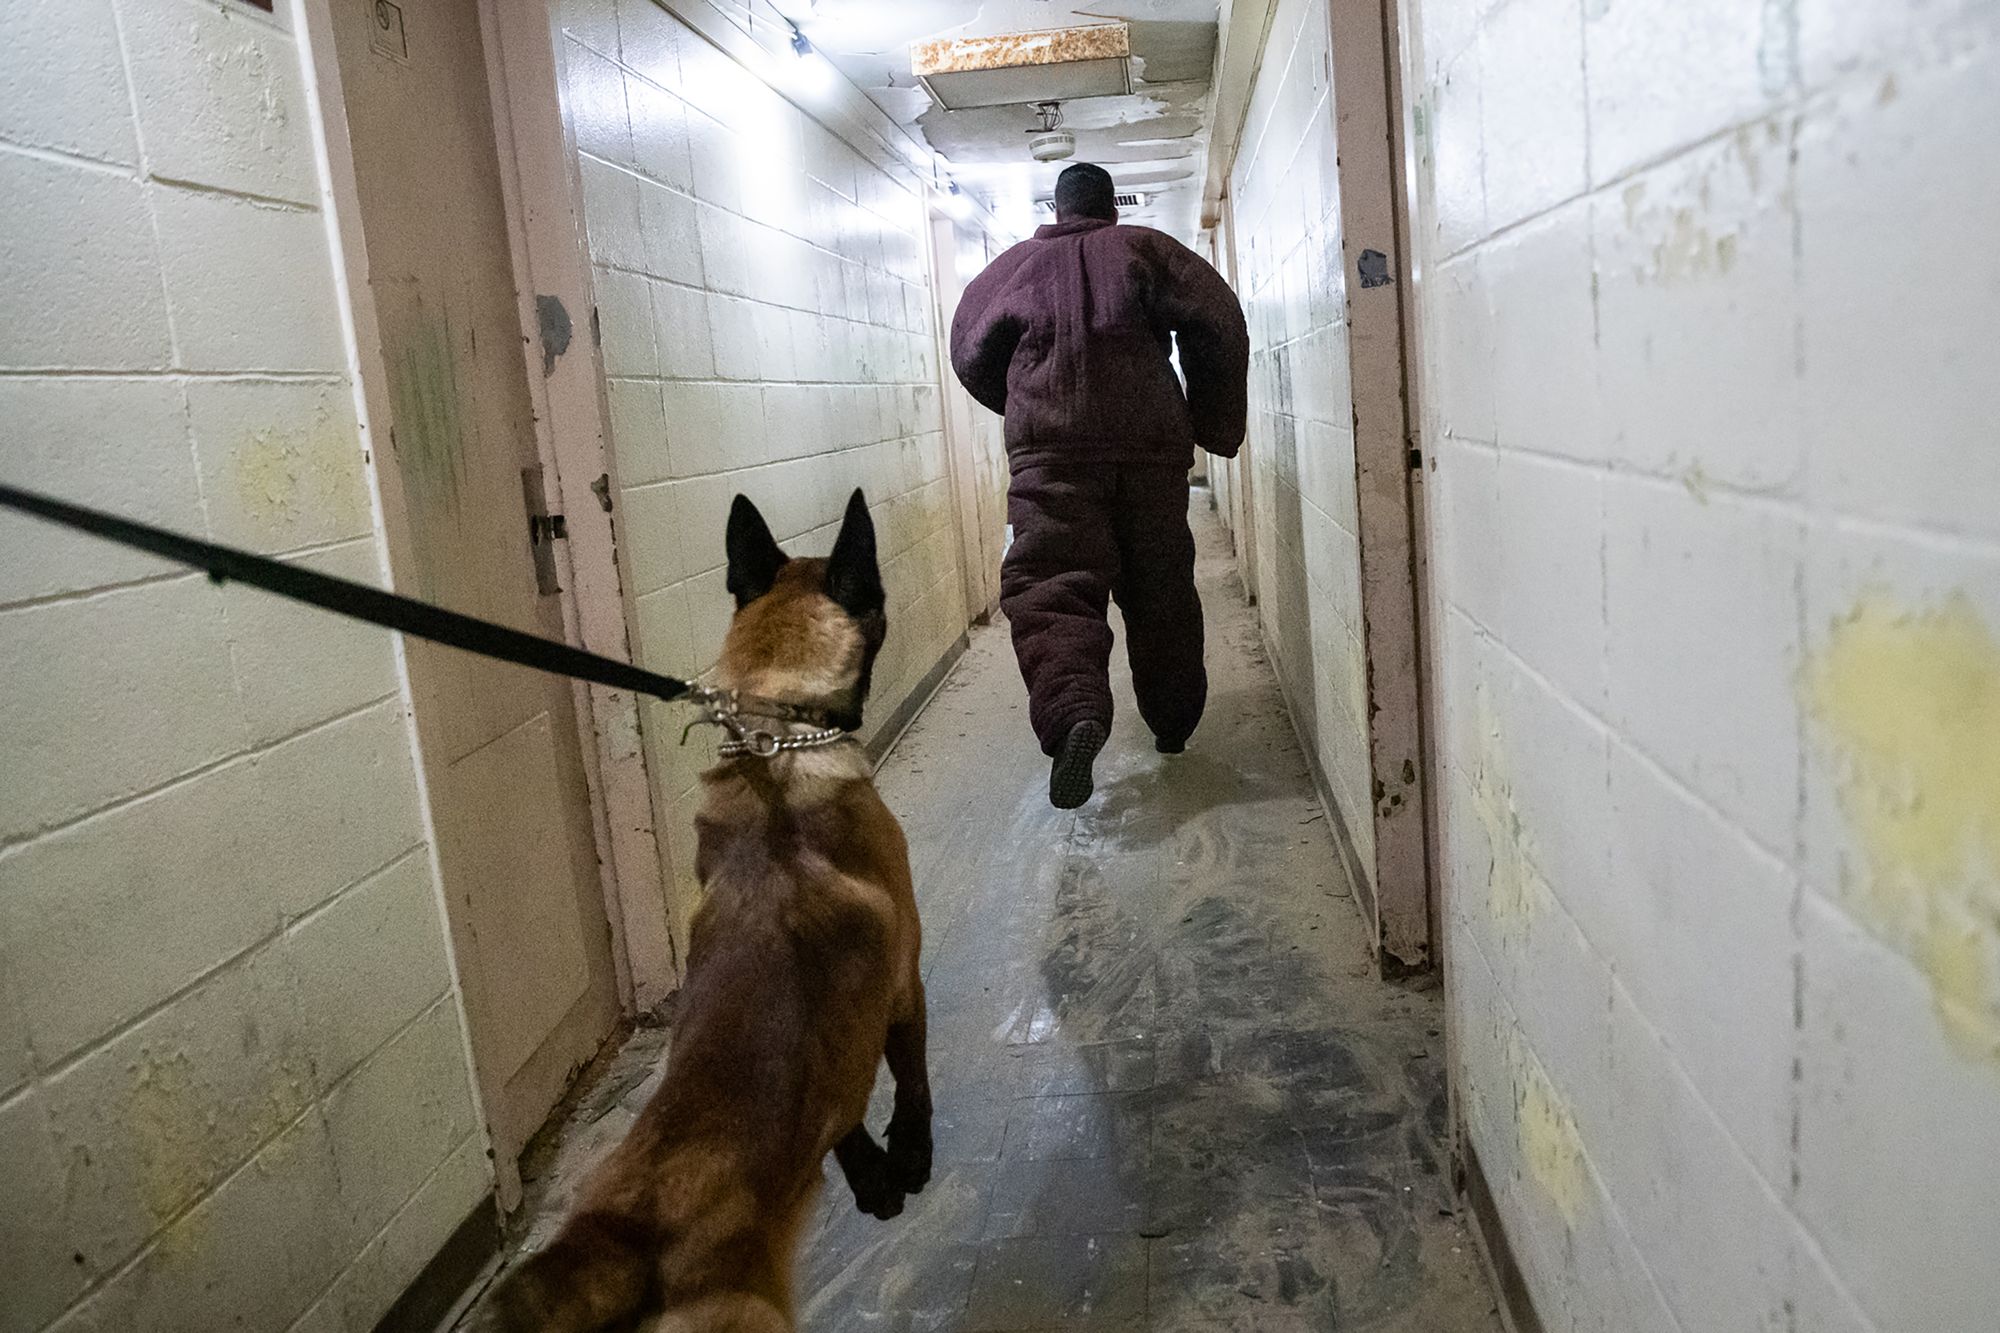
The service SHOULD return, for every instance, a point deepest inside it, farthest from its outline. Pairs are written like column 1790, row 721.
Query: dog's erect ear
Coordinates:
column 853, row 579
column 754, row 557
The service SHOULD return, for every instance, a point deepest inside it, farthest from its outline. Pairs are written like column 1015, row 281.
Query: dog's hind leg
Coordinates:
column 910, row 1126
column 866, row 1166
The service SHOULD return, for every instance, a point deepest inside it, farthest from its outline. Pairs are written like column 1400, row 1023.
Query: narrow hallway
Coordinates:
column 1171, row 1094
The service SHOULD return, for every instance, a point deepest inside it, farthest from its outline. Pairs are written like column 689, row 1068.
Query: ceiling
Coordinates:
column 1151, row 141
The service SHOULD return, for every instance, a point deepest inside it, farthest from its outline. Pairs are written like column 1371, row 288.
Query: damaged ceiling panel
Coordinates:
column 1150, row 138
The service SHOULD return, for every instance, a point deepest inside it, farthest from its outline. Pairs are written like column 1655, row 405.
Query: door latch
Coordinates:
column 544, row 531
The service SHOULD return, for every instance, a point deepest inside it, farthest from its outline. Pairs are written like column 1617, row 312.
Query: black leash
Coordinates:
column 356, row 600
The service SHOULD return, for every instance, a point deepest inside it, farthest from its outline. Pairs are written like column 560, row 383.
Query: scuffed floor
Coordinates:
column 1171, row 1095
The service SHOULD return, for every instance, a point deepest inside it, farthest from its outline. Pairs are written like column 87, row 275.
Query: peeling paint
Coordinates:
column 283, row 477
column 1909, row 703
column 1516, row 893
column 553, row 318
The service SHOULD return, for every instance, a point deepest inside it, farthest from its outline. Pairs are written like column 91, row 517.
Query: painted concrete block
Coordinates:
column 1845, row 38
column 599, row 117
column 106, row 725
column 1549, row 571
column 652, row 545
column 638, row 431
column 401, row 1115
column 733, row 329
column 649, row 42
column 65, row 88
column 1715, row 1233
column 397, row 1254
column 594, row 23
column 670, row 234
column 663, row 631
column 281, row 462
column 257, row 1247
column 249, row 284
column 154, row 1119
column 220, row 99
column 1532, row 111
column 1698, row 309
column 1908, row 1231
column 611, row 215
column 298, row 666
column 129, row 907
column 1903, row 651
column 695, row 428
column 1461, row 350
column 365, row 965
column 85, row 296
column 661, row 143
column 38, row 1268
column 117, row 444
column 1697, row 921
column 1900, row 423
column 1665, row 76
column 625, row 323
column 681, row 329
column 727, row 244
column 1704, row 684
column 1541, row 289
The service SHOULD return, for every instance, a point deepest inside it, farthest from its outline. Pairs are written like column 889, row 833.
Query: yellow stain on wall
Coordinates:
column 1910, row 702
column 315, row 471
column 1515, row 891
column 1546, row 1135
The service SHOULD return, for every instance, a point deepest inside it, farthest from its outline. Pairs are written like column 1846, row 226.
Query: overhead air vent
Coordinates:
column 1009, row 69
column 1125, row 202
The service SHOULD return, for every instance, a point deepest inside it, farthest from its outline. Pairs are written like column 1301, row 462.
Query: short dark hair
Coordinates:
column 1085, row 191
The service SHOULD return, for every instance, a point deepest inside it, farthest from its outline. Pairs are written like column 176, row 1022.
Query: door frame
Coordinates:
column 1374, row 232
column 565, row 375
column 941, row 254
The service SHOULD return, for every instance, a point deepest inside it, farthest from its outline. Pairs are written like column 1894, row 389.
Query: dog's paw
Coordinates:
column 876, row 1190
column 910, row 1157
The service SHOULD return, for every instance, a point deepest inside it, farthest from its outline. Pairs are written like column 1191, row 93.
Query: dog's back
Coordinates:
column 803, row 968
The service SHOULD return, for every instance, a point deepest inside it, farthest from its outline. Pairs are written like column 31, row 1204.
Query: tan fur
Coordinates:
column 802, row 977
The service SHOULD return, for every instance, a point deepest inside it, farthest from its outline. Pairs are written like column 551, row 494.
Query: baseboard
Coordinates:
column 434, row 1291
column 884, row 740
column 1503, row 1271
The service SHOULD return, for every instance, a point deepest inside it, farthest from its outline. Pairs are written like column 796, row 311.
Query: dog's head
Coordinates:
column 806, row 631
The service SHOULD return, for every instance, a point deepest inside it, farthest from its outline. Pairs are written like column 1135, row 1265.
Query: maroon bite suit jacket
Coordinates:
column 1067, row 336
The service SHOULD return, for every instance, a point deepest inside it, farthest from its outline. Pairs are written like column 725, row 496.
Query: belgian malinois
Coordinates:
column 802, row 976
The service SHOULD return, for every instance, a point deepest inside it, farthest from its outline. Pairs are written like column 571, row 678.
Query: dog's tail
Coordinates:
column 600, row 1270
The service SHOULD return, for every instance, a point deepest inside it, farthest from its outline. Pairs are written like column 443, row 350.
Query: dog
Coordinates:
column 802, row 976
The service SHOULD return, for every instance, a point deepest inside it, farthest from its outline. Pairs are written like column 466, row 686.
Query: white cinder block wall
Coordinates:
column 764, row 304
column 1300, row 448
column 1711, row 301
column 232, row 1080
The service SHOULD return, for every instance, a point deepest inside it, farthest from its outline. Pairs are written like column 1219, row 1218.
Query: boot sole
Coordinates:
column 1071, row 781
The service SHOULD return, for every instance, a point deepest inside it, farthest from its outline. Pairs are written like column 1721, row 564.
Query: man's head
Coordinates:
column 1085, row 191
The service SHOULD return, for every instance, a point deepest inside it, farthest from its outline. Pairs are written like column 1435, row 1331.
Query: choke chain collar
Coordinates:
column 727, row 709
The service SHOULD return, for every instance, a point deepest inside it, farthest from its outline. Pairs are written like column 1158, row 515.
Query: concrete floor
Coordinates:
column 1171, row 1095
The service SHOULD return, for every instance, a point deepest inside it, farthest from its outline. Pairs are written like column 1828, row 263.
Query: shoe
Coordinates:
column 1070, row 780
column 1165, row 746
